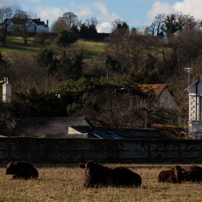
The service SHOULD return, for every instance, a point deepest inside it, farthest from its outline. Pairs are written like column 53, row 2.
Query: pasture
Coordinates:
column 65, row 183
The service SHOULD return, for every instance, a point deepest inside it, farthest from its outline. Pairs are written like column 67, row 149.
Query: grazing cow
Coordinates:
column 21, row 169
column 193, row 173
column 98, row 175
column 173, row 175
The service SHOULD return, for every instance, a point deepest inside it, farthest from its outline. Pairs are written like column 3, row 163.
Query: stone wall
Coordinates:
column 44, row 150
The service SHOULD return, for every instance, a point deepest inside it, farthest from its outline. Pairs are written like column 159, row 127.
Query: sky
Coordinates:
column 136, row 13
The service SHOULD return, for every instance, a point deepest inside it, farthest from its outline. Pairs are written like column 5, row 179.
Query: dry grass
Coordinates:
column 64, row 183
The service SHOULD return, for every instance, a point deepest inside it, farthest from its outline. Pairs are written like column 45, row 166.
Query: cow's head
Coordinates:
column 90, row 169
column 11, row 168
column 178, row 173
column 90, row 172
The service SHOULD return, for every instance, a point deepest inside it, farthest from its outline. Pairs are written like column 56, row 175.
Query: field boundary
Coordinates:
column 61, row 150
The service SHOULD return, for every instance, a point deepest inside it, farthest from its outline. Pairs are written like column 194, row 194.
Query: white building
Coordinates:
column 6, row 90
column 32, row 25
column 195, row 108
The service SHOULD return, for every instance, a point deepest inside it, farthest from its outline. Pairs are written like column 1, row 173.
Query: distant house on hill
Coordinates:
column 32, row 25
column 162, row 92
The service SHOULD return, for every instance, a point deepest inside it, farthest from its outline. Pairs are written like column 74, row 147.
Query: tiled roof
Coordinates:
column 156, row 89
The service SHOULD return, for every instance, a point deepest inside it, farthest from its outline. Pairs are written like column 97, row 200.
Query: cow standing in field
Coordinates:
column 98, row 175
column 21, row 169
column 193, row 173
column 173, row 175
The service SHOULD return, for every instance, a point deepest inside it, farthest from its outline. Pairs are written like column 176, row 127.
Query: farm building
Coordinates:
column 79, row 127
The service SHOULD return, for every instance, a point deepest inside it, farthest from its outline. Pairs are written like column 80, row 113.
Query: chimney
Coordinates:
column 6, row 91
column 47, row 23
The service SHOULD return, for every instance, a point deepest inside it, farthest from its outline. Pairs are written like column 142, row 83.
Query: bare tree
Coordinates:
column 26, row 73
column 66, row 22
column 129, row 48
column 59, row 25
column 22, row 24
column 5, row 14
column 168, row 24
column 70, row 19
column 188, row 44
column 111, row 109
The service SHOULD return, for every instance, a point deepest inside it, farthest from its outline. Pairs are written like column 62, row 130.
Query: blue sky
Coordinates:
column 137, row 13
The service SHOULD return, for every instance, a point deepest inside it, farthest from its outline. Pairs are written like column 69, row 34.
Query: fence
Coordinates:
column 44, row 150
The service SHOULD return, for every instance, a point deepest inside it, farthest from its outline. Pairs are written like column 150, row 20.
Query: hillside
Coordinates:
column 91, row 50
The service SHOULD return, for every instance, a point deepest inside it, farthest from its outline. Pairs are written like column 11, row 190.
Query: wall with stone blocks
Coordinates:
column 49, row 150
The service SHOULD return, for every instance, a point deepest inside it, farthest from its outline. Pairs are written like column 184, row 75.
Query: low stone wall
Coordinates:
column 44, row 150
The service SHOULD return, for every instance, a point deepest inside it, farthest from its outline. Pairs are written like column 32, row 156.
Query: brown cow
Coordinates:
column 98, row 175
column 193, row 173
column 21, row 169
column 173, row 175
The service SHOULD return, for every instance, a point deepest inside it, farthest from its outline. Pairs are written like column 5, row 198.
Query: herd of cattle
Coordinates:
column 98, row 175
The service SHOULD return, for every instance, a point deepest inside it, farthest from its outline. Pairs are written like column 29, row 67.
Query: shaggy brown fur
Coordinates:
column 98, row 175
column 193, row 173
column 173, row 175
column 21, row 169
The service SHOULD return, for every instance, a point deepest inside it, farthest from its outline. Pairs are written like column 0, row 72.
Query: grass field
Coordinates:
column 90, row 49
column 65, row 183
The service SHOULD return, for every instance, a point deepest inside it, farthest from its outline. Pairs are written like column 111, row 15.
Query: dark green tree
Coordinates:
column 35, row 104
column 46, row 59
column 111, row 65
column 70, row 67
column 66, row 38
column 88, row 30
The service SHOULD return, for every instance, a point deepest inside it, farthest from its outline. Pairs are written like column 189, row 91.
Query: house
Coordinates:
column 79, row 127
column 161, row 91
column 32, row 25
column 195, row 108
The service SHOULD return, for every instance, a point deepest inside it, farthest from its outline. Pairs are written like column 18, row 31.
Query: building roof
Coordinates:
column 22, row 21
column 57, row 127
column 131, row 134
column 47, row 126
column 193, row 83
column 144, row 134
column 156, row 89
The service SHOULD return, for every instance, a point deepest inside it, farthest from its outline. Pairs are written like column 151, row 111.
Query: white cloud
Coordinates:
column 100, row 12
column 50, row 14
column 13, row 4
column 103, row 13
column 104, row 27
column 190, row 7
column 81, row 10
column 159, row 8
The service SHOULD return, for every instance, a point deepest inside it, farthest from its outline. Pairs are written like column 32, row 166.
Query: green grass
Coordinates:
column 15, row 44
column 90, row 49
column 65, row 183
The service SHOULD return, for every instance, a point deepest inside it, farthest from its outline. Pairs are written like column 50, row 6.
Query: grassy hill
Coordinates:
column 91, row 50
